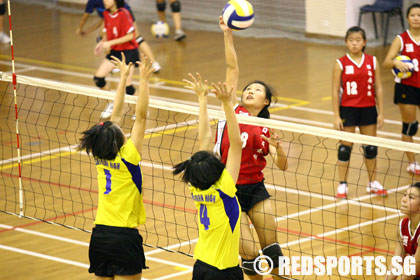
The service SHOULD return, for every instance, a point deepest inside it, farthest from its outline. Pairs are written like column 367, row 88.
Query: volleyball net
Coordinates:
column 59, row 185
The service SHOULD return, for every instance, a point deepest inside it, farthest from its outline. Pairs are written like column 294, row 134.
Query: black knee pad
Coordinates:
column 176, row 6
column 370, row 151
column 273, row 251
column 410, row 129
column 130, row 90
column 2, row 9
column 161, row 7
column 139, row 40
column 100, row 82
column 248, row 266
column 344, row 152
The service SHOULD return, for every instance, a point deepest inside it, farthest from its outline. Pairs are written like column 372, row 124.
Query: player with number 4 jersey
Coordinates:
column 357, row 102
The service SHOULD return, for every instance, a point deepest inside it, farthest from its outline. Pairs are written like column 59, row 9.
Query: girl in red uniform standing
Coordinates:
column 407, row 91
column 120, row 38
column 408, row 231
column 357, row 77
column 256, row 144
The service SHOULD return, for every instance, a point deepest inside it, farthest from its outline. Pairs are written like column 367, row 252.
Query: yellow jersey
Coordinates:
column 120, row 189
column 219, row 218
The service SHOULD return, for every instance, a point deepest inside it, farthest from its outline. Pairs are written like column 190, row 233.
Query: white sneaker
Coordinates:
column 414, row 168
column 156, row 67
column 115, row 70
column 179, row 35
column 108, row 111
column 4, row 38
column 376, row 188
column 342, row 191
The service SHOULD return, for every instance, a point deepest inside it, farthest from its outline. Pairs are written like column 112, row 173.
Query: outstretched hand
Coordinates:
column 223, row 25
column 124, row 68
column 146, row 68
column 196, row 84
column 222, row 92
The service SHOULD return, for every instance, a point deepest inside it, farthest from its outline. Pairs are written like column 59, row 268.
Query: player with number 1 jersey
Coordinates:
column 357, row 102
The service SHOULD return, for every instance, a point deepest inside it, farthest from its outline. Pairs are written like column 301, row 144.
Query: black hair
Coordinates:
column 120, row 3
column 270, row 94
column 104, row 140
column 202, row 170
column 416, row 5
column 356, row 29
column 416, row 185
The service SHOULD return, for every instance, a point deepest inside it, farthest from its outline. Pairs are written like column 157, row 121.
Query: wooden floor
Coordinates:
column 310, row 221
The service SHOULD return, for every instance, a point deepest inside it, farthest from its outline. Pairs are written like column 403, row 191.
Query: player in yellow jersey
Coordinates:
column 212, row 186
column 115, row 249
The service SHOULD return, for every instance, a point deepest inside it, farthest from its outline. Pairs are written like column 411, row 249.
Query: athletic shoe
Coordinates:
column 376, row 188
column 156, row 67
column 342, row 191
column 115, row 70
column 4, row 38
column 108, row 111
column 414, row 168
column 179, row 35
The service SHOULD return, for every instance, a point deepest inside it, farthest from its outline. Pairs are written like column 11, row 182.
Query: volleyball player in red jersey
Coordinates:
column 357, row 77
column 120, row 37
column 407, row 91
column 258, row 142
column 408, row 231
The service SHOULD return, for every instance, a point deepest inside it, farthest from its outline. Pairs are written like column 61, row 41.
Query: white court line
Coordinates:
column 170, row 276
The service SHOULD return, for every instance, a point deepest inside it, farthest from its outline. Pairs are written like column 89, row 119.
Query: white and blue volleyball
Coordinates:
column 238, row 14
column 160, row 29
column 403, row 75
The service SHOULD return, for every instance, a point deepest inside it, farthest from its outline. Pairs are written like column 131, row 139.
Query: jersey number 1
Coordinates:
column 351, row 88
column 108, row 181
column 204, row 220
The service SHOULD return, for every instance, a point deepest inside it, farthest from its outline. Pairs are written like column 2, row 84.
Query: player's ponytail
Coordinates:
column 103, row 140
column 202, row 170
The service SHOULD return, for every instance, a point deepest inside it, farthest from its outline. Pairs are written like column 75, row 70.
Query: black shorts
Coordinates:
column 130, row 56
column 116, row 251
column 355, row 116
column 250, row 194
column 203, row 271
column 405, row 94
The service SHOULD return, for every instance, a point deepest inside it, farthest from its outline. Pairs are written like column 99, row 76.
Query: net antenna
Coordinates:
column 14, row 82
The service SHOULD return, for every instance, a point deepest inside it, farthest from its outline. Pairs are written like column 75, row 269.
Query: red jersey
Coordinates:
column 254, row 148
column 357, row 81
column 410, row 48
column 118, row 25
column 410, row 242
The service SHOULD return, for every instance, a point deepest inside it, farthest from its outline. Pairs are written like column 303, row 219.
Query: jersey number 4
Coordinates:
column 204, row 219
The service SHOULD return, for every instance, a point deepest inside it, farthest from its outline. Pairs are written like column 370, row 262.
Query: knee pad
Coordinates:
column 410, row 129
column 161, row 7
column 344, row 152
column 130, row 90
column 248, row 266
column 176, row 6
column 273, row 251
column 139, row 40
column 100, row 82
column 370, row 151
column 2, row 9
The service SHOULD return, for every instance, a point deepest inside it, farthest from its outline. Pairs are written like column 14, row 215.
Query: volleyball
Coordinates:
column 238, row 14
column 160, row 29
column 398, row 73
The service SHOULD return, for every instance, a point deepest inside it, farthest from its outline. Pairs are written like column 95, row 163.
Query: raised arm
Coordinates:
column 233, row 162
column 116, row 116
column 336, row 81
column 379, row 95
column 232, row 68
column 204, row 132
column 142, row 106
